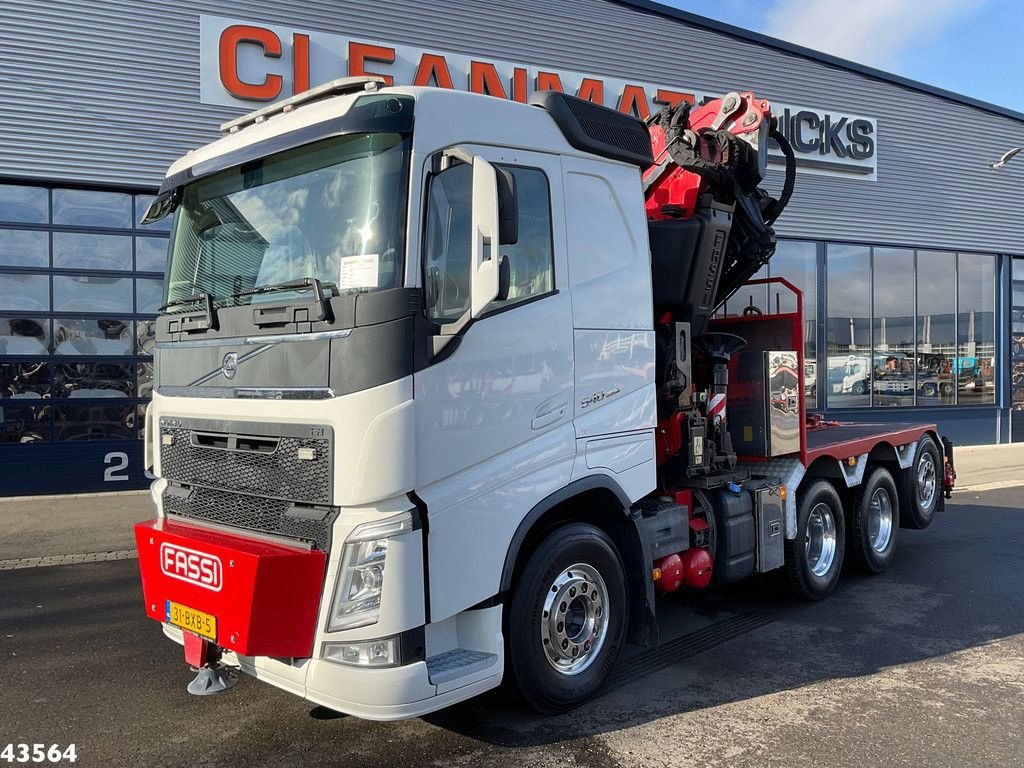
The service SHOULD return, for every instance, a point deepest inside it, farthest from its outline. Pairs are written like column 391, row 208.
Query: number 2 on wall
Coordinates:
column 117, row 466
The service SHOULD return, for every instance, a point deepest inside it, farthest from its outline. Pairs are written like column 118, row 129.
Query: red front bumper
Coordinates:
column 265, row 596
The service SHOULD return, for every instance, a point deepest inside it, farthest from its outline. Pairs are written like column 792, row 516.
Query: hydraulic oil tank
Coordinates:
column 736, row 535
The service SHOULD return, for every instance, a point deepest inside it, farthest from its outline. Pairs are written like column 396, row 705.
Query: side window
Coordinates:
column 448, row 240
column 531, row 259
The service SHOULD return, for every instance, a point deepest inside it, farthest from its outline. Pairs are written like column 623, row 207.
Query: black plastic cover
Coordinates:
column 600, row 130
column 736, row 535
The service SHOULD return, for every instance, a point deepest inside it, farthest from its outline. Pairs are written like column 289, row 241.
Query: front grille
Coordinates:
column 271, row 468
column 254, row 513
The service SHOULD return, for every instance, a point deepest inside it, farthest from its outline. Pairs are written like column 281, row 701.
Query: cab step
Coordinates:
column 456, row 663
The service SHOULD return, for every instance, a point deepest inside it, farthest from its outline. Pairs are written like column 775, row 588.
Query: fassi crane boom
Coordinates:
column 710, row 227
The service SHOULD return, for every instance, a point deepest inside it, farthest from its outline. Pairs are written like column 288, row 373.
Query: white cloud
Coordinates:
column 873, row 32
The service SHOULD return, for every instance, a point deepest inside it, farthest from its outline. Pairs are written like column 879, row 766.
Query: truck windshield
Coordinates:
column 333, row 210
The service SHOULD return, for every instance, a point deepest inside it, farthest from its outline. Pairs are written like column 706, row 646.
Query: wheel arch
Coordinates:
column 600, row 501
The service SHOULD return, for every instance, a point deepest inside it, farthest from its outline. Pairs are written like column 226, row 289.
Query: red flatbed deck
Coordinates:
column 841, row 441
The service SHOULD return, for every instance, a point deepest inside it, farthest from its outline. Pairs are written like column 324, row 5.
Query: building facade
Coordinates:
column 908, row 247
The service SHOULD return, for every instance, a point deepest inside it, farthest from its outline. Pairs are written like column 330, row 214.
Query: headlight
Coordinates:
column 357, row 591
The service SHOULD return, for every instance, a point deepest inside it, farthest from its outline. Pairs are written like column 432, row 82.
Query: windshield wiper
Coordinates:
column 270, row 316
column 192, row 323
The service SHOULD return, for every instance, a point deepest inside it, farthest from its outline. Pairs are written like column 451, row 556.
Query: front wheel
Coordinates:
column 815, row 557
column 567, row 618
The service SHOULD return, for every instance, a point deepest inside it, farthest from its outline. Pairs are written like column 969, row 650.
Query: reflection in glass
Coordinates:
column 106, row 336
column 24, row 248
column 145, row 372
column 893, row 359
column 163, row 225
column 936, row 327
column 25, row 205
column 148, row 296
column 24, row 336
column 92, row 208
column 95, row 422
column 145, row 337
column 848, row 331
column 797, row 262
column 24, row 292
column 90, row 293
column 150, row 254
column 752, row 296
column 25, row 381
column 75, row 250
column 975, row 363
column 93, row 380
column 24, row 423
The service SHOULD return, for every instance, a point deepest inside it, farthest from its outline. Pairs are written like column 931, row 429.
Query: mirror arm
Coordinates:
column 449, row 332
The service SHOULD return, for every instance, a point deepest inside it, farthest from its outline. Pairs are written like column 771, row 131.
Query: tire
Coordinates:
column 815, row 557
column 920, row 486
column 860, row 388
column 875, row 522
column 572, row 563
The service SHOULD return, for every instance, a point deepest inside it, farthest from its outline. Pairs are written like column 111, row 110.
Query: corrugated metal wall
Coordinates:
column 108, row 91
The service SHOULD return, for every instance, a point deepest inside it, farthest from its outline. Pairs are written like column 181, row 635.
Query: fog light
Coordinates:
column 369, row 653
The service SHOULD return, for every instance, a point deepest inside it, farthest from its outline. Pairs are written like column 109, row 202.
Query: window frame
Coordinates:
column 491, row 310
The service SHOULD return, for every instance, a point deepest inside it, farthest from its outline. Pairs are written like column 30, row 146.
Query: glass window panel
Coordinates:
column 754, row 295
column 24, row 336
column 22, row 423
column 797, row 262
column 25, row 381
column 151, row 254
column 976, row 353
column 936, row 327
column 93, row 379
column 145, row 377
column 91, row 293
column 95, row 422
column 148, row 296
column 25, row 205
column 106, row 336
column 75, row 250
column 531, row 260
column 24, row 248
column 145, row 337
column 848, row 330
column 448, row 241
column 24, row 292
column 163, row 225
column 894, row 328
column 92, row 208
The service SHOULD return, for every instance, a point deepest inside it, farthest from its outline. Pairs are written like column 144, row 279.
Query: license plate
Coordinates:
column 201, row 623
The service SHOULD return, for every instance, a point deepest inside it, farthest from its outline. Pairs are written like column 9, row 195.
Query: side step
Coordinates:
column 456, row 663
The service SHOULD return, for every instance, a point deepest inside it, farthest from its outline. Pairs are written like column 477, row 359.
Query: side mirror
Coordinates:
column 508, row 208
column 485, row 228
column 504, row 278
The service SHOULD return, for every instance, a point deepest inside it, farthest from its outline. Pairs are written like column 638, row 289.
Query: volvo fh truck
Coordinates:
column 442, row 398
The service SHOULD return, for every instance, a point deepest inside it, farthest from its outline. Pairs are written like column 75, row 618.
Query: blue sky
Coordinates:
column 967, row 46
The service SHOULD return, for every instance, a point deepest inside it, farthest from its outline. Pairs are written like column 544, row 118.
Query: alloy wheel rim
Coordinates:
column 926, row 481
column 820, row 539
column 880, row 520
column 574, row 622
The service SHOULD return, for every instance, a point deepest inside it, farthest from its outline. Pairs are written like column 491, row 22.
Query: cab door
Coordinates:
column 494, row 409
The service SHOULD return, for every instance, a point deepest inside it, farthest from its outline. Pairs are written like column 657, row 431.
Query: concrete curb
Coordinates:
column 59, row 496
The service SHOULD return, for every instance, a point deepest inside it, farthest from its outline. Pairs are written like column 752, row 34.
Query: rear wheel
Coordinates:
column 920, row 486
column 567, row 618
column 815, row 557
column 875, row 521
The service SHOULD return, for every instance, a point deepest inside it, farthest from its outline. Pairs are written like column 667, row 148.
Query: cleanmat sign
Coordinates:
column 245, row 64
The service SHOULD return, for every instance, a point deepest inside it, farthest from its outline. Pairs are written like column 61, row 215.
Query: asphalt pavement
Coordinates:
column 923, row 665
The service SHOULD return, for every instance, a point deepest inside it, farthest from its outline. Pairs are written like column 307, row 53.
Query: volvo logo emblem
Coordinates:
column 230, row 365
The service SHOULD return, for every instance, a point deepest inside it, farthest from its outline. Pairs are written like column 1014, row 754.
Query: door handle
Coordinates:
column 548, row 414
